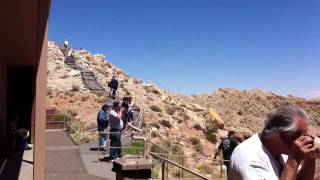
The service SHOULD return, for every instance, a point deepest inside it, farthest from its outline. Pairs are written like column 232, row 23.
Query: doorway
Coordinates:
column 19, row 97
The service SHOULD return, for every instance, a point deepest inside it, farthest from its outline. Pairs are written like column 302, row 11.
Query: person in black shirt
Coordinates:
column 227, row 146
column 113, row 85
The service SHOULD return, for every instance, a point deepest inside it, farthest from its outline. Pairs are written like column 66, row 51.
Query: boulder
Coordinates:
column 101, row 99
column 214, row 119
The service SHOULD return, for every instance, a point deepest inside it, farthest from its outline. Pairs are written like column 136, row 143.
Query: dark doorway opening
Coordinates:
column 19, row 97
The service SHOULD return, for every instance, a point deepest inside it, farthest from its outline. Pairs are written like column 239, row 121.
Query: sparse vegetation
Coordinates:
column 205, row 169
column 72, row 113
column 155, row 108
column 171, row 110
column 49, row 91
column 154, row 134
column 98, row 93
column 135, row 150
column 75, row 87
column 197, row 127
column 62, row 117
column 166, row 123
column 101, row 99
column 156, row 91
column 84, row 98
column 195, row 140
column 199, row 147
column 212, row 137
column 65, row 76
column 156, row 125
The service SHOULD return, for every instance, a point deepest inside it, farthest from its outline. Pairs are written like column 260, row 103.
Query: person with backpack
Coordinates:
column 113, row 85
column 227, row 146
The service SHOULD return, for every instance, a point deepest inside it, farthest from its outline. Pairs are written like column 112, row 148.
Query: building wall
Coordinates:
column 24, row 42
column 40, row 114
column 3, row 109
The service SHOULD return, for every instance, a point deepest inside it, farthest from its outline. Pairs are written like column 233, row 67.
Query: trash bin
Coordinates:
column 132, row 168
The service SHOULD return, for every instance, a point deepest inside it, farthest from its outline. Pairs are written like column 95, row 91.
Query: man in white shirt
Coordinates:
column 116, row 126
column 278, row 151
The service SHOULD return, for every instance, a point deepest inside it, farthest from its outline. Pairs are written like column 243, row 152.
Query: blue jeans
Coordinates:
column 115, row 141
column 102, row 140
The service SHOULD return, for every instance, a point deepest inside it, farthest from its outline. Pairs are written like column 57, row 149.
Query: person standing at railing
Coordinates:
column 227, row 146
column 125, row 107
column 116, row 126
column 113, row 85
column 130, row 109
column 103, row 122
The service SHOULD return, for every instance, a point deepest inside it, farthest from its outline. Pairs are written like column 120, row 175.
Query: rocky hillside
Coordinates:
column 193, row 123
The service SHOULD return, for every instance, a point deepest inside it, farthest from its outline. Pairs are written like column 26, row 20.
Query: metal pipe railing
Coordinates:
column 179, row 166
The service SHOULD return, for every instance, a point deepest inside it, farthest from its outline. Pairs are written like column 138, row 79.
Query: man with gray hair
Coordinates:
column 283, row 150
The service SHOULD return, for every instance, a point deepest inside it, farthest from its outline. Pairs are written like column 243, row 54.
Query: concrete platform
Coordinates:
column 26, row 171
column 63, row 160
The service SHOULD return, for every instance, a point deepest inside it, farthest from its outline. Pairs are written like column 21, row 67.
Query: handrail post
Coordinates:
column 220, row 169
column 182, row 165
column 82, row 131
column 98, row 146
column 162, row 170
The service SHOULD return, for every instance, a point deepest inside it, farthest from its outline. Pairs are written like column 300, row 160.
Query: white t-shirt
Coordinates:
column 252, row 161
column 115, row 121
column 66, row 43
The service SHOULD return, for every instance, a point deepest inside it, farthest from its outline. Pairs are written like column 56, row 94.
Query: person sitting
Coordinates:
column 283, row 150
column 227, row 146
column 103, row 122
column 116, row 127
column 113, row 85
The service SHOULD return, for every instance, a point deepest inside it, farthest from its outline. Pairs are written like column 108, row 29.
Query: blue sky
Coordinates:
column 196, row 46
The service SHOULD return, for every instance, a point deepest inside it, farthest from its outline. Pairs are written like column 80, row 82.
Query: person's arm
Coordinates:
column 102, row 117
column 307, row 170
column 218, row 150
column 301, row 150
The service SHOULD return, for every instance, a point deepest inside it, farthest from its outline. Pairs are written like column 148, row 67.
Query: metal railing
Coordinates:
column 163, row 167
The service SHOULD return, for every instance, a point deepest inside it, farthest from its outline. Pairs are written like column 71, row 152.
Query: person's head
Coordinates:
column 106, row 107
column 231, row 134
column 129, row 98
column 284, row 126
column 116, row 106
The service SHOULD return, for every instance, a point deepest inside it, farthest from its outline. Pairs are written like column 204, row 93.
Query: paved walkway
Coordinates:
column 64, row 162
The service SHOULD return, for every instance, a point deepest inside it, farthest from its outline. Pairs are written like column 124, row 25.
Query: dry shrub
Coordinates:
column 156, row 125
column 155, row 108
column 197, row 127
column 194, row 140
column 166, row 123
column 84, row 98
column 199, row 147
column 101, row 99
column 156, row 91
column 75, row 87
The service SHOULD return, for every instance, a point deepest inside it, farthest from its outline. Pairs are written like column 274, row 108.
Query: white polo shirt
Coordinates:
column 252, row 161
